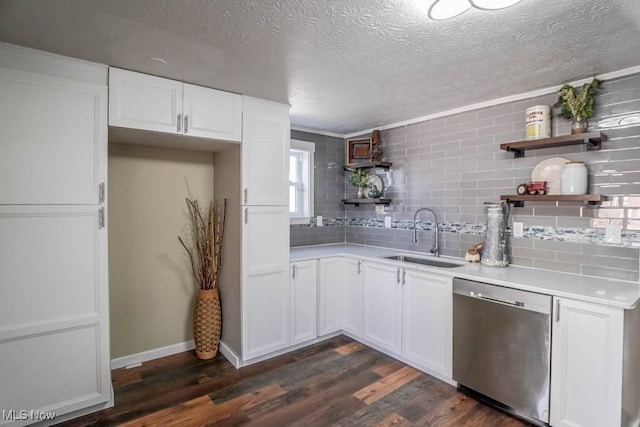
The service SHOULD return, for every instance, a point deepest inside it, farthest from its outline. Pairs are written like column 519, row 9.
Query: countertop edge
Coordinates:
column 341, row 250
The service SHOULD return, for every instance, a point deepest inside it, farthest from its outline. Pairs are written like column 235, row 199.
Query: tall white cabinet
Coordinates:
column 265, row 227
column 54, row 328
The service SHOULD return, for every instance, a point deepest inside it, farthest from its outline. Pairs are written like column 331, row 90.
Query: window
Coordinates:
column 301, row 181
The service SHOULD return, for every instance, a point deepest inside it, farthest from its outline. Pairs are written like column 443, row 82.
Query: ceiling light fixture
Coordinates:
column 493, row 4
column 447, row 9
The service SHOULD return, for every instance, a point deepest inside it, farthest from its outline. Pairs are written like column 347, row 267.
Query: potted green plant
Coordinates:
column 360, row 178
column 205, row 255
column 577, row 106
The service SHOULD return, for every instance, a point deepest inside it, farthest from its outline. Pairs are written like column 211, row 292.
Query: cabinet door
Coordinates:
column 303, row 301
column 265, row 153
column 382, row 305
column 54, row 321
column 141, row 101
column 427, row 320
column 586, row 364
column 210, row 113
column 330, row 295
column 352, row 291
column 265, row 285
column 53, row 139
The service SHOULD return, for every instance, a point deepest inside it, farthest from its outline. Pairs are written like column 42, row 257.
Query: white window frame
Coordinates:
column 308, row 148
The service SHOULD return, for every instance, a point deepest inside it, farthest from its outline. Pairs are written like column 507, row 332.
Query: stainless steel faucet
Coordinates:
column 436, row 245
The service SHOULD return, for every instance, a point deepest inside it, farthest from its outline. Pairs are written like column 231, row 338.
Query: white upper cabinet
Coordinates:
column 53, row 139
column 141, row 101
column 265, row 153
column 144, row 102
column 210, row 113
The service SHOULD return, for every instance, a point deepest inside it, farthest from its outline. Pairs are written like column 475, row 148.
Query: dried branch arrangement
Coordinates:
column 207, row 231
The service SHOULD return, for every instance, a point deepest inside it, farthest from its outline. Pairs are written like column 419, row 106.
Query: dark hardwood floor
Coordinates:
column 337, row 382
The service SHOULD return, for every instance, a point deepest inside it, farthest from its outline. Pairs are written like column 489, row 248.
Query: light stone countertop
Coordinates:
column 616, row 293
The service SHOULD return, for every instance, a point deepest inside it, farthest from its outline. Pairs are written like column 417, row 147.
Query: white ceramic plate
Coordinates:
column 377, row 181
column 549, row 170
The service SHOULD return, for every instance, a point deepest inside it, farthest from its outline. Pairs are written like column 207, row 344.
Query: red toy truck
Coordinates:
column 536, row 187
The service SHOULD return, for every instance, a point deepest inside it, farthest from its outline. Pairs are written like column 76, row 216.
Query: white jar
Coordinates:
column 574, row 178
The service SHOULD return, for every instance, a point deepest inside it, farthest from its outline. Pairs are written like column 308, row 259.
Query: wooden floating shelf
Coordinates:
column 592, row 140
column 367, row 165
column 587, row 199
column 357, row 202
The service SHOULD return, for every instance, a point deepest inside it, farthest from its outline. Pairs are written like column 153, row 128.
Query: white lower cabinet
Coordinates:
column 587, row 365
column 352, row 296
column 382, row 306
column 330, row 295
column 303, row 301
column 427, row 320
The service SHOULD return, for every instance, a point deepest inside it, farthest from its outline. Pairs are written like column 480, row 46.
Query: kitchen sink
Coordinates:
column 423, row 261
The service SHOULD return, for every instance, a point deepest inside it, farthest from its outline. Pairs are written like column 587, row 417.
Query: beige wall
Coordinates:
column 227, row 185
column 150, row 284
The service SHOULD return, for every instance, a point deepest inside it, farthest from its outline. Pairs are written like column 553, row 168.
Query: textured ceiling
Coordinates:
column 343, row 65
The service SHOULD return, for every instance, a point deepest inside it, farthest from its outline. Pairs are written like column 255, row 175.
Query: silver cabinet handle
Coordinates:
column 186, row 123
column 398, row 278
column 359, row 267
column 404, row 274
column 245, row 196
column 179, row 123
column 101, row 192
column 557, row 310
column 293, row 271
column 101, row 218
column 246, row 215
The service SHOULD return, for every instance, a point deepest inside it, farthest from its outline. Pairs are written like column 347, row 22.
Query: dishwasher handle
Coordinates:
column 516, row 298
column 514, row 303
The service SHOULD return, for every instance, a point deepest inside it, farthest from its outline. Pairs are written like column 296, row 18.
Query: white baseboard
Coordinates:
column 229, row 354
column 156, row 353
column 288, row 349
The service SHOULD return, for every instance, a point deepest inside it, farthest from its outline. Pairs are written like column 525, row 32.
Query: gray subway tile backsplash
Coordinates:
column 454, row 164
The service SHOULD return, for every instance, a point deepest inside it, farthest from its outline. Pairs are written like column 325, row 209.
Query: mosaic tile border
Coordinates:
column 559, row 234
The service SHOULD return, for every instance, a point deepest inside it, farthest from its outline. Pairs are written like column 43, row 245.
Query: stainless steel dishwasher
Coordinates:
column 501, row 347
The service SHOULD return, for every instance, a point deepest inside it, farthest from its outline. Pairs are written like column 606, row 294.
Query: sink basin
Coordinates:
column 423, row 261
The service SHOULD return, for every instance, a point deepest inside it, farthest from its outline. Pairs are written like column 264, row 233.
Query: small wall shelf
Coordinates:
column 591, row 139
column 366, row 201
column 587, row 199
column 368, row 165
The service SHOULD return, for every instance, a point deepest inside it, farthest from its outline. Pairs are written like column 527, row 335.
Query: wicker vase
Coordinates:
column 207, row 321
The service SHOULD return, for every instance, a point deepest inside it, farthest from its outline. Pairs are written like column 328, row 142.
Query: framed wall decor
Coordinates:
column 358, row 150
